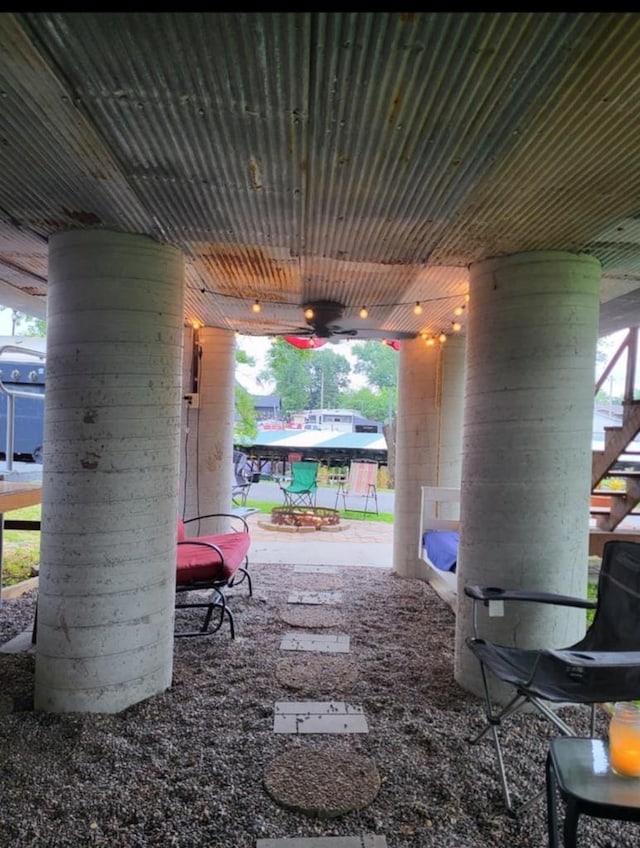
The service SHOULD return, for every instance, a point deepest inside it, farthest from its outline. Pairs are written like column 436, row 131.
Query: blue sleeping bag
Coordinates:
column 441, row 546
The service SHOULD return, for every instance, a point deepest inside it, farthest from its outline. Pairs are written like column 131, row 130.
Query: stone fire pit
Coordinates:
column 304, row 519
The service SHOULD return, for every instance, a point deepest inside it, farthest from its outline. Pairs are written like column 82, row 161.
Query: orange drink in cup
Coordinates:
column 624, row 740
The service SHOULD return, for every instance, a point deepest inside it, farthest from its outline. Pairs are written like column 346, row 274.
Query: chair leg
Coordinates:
column 552, row 805
column 215, row 602
column 494, row 721
column 235, row 581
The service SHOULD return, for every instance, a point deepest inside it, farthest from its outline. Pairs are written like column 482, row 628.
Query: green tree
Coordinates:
column 329, row 378
column 379, row 364
column 25, row 325
column 372, row 404
column 289, row 368
column 246, row 425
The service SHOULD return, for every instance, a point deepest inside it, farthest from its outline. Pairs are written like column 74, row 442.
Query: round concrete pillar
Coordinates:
column 428, row 438
column 110, row 472
column 526, row 470
column 209, row 472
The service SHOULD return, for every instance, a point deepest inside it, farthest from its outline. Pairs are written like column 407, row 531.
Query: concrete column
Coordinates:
column 110, row 472
column 209, row 472
column 428, row 438
column 526, row 472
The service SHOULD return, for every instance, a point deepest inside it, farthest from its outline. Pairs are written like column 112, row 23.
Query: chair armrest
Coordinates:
column 493, row 593
column 244, row 527
column 199, row 543
column 602, row 659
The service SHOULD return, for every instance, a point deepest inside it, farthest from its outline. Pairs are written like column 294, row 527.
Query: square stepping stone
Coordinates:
column 315, row 598
column 304, row 717
column 326, row 643
column 315, row 569
column 368, row 841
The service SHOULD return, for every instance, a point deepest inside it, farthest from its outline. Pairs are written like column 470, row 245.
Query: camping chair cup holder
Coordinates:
column 602, row 667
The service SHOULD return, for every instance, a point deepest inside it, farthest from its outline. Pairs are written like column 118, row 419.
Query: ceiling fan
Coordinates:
column 324, row 320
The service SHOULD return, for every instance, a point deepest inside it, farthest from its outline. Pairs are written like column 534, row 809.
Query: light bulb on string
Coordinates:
column 364, row 312
column 417, row 309
column 256, row 306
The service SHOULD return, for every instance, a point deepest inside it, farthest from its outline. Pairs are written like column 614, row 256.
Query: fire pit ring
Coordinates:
column 305, row 516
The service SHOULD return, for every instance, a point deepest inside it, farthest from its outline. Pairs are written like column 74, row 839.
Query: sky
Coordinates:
column 5, row 321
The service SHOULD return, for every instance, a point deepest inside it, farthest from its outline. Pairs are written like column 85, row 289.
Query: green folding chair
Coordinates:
column 301, row 490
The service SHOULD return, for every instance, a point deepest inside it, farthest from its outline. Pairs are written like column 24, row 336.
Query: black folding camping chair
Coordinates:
column 602, row 667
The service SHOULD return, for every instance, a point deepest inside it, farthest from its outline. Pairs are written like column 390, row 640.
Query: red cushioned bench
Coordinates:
column 214, row 562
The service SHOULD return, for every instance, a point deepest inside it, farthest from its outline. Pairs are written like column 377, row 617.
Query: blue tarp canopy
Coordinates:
column 320, row 439
column 272, row 447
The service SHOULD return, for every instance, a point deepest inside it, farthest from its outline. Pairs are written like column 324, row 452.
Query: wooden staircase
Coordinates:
column 617, row 439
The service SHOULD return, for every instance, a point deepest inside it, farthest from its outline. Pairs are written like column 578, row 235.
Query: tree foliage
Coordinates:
column 378, row 363
column 288, row 367
column 329, row 378
column 369, row 403
column 246, row 424
column 26, row 325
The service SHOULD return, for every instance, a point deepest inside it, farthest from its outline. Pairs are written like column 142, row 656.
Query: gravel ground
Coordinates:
column 187, row 768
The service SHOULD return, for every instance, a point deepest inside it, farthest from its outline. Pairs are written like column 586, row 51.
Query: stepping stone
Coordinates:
column 315, row 598
column 325, row 784
column 316, row 582
column 327, row 643
column 317, row 674
column 304, row 717
column 368, row 841
column 315, row 569
column 303, row 615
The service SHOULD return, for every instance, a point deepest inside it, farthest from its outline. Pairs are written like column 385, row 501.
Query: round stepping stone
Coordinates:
column 316, row 675
column 323, row 784
column 305, row 615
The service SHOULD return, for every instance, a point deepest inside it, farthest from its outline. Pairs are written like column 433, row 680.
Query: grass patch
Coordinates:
column 265, row 507
column 592, row 595
column 20, row 548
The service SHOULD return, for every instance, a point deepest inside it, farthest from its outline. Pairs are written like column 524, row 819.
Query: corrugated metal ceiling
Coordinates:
column 361, row 157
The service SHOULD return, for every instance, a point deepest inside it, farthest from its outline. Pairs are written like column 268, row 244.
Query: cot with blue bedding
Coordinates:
column 439, row 538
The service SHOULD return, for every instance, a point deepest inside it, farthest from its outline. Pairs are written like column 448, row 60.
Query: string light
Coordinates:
column 418, row 309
